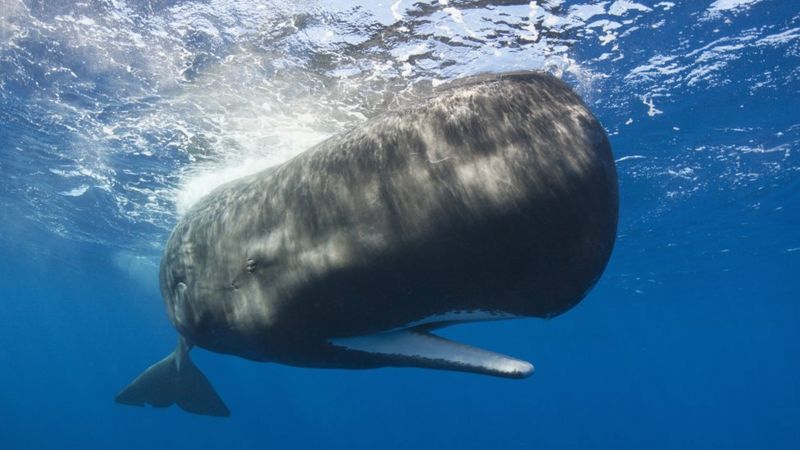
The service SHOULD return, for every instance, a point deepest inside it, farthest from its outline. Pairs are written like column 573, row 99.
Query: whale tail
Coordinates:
column 175, row 380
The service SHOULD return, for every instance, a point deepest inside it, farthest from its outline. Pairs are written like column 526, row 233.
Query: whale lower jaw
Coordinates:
column 416, row 347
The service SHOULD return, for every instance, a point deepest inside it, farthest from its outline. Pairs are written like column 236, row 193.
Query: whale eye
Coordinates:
column 252, row 265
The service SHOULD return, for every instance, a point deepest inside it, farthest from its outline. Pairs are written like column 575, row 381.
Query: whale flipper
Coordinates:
column 418, row 348
column 175, row 380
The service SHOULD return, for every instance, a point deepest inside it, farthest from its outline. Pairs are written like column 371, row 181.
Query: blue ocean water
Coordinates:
column 117, row 115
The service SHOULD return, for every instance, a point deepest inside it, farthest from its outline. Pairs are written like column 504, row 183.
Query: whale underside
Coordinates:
column 496, row 198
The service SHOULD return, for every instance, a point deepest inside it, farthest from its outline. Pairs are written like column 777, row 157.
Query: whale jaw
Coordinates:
column 416, row 347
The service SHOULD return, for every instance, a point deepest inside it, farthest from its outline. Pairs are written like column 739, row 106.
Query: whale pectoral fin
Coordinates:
column 175, row 380
column 418, row 348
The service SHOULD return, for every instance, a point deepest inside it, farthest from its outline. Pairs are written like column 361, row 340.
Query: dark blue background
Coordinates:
column 690, row 340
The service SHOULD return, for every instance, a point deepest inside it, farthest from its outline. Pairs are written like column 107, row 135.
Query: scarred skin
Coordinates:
column 497, row 194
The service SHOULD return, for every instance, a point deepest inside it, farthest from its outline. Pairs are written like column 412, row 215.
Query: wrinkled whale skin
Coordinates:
column 496, row 196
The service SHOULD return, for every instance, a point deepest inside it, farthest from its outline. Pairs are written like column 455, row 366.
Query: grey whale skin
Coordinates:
column 494, row 198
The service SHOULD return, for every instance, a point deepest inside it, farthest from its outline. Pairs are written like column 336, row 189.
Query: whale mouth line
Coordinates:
column 458, row 316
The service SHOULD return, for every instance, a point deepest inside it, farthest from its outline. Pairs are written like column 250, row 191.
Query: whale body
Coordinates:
column 495, row 198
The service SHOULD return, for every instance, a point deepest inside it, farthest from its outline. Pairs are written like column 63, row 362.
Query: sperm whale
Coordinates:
column 494, row 198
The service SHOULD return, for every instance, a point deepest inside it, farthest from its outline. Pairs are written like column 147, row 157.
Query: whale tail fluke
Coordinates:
column 175, row 380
